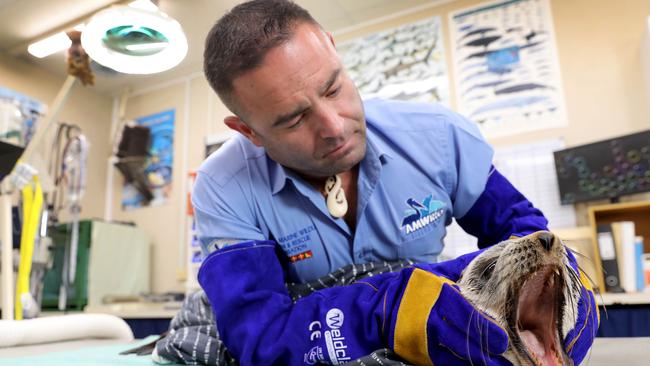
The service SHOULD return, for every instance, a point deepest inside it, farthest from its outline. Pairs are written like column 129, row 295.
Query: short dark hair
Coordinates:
column 238, row 42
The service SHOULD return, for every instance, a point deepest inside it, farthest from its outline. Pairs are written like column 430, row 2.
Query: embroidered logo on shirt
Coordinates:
column 300, row 256
column 297, row 242
column 420, row 215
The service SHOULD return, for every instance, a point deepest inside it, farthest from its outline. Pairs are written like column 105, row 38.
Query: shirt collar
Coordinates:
column 278, row 176
column 376, row 144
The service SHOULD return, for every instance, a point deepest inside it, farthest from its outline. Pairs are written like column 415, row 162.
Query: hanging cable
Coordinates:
column 32, row 203
column 57, row 200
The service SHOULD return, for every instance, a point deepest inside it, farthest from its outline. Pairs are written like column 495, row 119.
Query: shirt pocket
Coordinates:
column 423, row 244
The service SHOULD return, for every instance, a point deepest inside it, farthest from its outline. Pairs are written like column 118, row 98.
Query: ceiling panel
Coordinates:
column 25, row 19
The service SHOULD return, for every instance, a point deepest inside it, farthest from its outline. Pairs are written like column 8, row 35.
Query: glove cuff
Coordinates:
column 410, row 337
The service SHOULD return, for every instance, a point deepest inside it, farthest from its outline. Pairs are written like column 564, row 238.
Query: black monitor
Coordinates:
column 9, row 154
column 604, row 170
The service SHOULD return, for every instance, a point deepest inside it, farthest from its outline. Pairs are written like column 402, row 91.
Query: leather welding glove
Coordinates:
column 580, row 339
column 416, row 311
column 456, row 332
column 435, row 324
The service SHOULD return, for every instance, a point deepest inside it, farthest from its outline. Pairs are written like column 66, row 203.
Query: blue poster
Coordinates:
column 158, row 170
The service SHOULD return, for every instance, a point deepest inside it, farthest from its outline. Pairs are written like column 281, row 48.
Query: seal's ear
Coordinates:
column 240, row 126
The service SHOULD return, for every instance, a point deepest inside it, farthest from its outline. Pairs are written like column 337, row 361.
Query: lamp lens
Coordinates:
column 135, row 40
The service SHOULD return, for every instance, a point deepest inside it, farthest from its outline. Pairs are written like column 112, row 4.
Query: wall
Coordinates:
column 599, row 50
column 198, row 114
column 84, row 107
column 598, row 45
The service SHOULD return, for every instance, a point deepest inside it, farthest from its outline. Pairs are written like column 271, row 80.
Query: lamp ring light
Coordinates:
column 134, row 41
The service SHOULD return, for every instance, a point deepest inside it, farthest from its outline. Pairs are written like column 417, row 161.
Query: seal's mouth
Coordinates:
column 539, row 317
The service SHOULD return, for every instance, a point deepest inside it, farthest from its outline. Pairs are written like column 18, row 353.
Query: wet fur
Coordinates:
column 493, row 282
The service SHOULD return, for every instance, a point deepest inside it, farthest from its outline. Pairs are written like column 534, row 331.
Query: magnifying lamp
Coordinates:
column 134, row 41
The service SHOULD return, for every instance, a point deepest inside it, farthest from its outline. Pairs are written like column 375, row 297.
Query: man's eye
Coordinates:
column 333, row 92
column 295, row 123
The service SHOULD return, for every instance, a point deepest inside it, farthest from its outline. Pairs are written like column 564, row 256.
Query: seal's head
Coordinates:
column 529, row 288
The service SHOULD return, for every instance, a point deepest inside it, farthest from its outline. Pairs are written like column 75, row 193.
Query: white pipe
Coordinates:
column 7, row 256
column 63, row 328
column 208, row 120
column 108, row 197
column 182, row 241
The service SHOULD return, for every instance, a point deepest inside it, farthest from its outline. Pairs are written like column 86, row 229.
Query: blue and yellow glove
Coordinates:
column 418, row 312
column 436, row 325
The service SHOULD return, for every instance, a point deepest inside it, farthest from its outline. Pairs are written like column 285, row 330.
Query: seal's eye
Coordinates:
column 489, row 268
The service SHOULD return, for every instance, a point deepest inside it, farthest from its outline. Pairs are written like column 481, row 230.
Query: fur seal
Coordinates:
column 527, row 285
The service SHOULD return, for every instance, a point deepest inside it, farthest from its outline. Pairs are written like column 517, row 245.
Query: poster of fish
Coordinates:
column 405, row 63
column 157, row 170
column 506, row 68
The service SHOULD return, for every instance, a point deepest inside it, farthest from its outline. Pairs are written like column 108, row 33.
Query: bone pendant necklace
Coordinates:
column 337, row 205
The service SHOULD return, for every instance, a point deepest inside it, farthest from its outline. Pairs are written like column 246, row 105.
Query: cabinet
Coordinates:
column 638, row 212
column 77, row 296
column 113, row 260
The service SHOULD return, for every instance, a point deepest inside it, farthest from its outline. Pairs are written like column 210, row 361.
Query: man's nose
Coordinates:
column 331, row 124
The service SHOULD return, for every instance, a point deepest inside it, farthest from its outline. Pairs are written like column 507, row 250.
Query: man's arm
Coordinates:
column 485, row 204
column 500, row 212
column 416, row 312
column 223, row 214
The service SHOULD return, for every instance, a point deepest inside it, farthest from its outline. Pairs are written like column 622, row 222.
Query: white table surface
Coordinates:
column 619, row 351
column 605, row 352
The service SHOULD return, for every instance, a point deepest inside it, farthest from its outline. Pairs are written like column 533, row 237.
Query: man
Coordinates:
column 318, row 179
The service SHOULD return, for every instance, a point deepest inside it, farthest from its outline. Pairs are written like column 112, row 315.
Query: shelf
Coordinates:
column 636, row 298
column 638, row 212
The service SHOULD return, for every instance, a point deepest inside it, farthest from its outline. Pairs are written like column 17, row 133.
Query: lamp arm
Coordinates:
column 50, row 119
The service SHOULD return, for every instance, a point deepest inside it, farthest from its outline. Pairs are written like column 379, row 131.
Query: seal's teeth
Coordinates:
column 558, row 358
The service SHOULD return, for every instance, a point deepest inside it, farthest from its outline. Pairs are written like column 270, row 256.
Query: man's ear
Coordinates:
column 331, row 38
column 240, row 126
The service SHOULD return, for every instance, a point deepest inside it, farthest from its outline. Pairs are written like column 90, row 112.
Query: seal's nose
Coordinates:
column 546, row 239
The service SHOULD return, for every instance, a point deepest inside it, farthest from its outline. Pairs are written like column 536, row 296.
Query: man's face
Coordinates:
column 302, row 107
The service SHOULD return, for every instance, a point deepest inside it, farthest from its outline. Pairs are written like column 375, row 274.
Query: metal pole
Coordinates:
column 7, row 255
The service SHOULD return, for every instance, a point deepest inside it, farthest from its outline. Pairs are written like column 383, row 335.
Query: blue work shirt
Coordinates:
column 424, row 165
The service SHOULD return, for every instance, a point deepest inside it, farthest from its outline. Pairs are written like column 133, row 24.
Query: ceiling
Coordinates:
column 24, row 21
